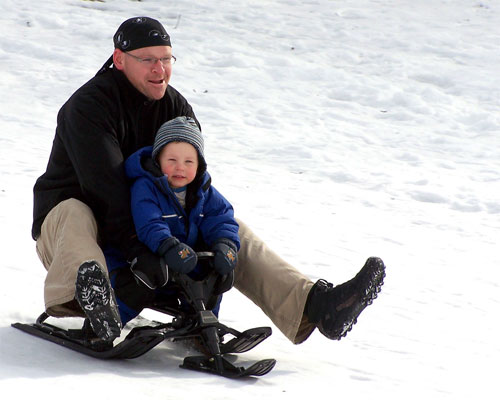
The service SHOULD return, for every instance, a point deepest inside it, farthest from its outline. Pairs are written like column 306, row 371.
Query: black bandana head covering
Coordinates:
column 139, row 32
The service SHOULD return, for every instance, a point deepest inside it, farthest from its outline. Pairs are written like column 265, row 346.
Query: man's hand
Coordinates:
column 149, row 270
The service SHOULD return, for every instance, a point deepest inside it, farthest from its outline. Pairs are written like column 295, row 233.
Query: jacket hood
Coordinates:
column 134, row 167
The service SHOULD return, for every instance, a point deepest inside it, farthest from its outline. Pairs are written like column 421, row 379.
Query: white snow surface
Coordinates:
column 339, row 130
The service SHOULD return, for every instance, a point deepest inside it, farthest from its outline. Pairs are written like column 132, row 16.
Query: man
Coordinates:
column 82, row 206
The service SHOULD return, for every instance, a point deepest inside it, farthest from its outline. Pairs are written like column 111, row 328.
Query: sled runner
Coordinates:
column 196, row 323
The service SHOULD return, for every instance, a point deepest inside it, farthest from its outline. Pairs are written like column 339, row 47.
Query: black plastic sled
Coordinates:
column 196, row 323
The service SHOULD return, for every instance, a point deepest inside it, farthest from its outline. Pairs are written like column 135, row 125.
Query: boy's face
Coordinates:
column 179, row 161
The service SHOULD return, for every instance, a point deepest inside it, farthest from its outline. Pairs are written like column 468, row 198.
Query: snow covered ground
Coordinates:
column 339, row 130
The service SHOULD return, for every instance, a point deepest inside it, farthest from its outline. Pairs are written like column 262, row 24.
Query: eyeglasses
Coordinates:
column 150, row 61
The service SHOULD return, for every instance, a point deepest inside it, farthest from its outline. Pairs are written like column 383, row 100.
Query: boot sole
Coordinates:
column 369, row 284
column 96, row 298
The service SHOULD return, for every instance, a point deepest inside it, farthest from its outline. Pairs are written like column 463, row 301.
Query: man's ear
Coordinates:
column 118, row 57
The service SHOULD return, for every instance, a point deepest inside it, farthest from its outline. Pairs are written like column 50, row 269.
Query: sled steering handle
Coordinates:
column 204, row 255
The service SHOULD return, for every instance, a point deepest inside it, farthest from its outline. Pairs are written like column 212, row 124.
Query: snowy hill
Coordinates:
column 339, row 130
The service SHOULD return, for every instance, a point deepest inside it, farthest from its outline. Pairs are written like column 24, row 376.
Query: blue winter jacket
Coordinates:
column 158, row 215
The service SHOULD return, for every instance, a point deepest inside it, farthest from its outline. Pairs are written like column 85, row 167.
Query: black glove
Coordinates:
column 149, row 270
column 225, row 256
column 177, row 256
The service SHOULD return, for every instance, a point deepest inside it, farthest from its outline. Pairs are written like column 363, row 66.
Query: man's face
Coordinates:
column 151, row 79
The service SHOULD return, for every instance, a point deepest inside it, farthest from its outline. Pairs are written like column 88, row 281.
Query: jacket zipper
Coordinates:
column 168, row 192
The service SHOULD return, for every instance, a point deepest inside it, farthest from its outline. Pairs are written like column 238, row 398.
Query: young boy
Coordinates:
column 176, row 210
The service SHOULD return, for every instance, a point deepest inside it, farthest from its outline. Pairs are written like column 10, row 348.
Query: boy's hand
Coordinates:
column 178, row 256
column 225, row 256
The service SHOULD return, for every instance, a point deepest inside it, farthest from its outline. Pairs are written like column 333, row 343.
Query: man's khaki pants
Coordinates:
column 69, row 237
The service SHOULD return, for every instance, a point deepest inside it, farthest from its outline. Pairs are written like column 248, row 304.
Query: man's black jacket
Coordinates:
column 102, row 123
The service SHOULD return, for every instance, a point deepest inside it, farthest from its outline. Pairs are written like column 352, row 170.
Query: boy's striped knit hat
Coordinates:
column 180, row 129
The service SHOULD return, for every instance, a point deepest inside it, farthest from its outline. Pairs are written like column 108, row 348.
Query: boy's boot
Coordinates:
column 96, row 298
column 335, row 310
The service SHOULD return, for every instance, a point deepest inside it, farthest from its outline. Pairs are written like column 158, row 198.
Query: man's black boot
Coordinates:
column 335, row 310
column 95, row 296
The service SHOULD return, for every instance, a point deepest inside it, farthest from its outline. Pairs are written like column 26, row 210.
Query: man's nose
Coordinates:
column 158, row 66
